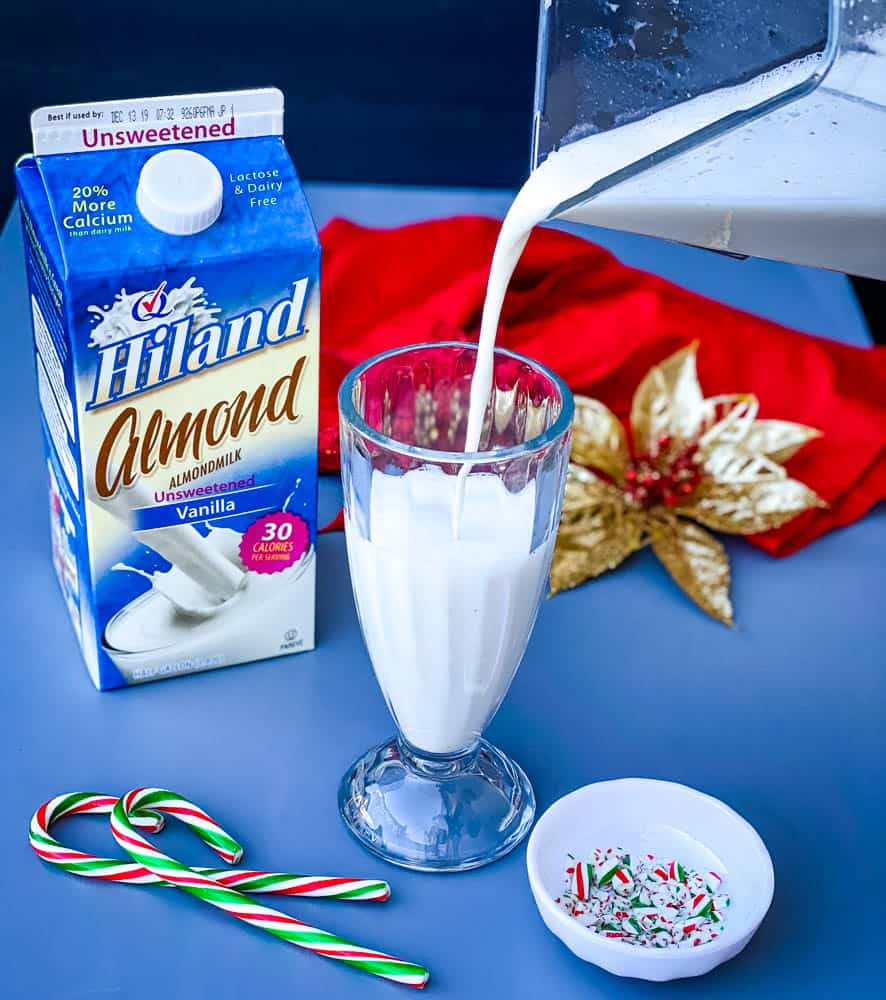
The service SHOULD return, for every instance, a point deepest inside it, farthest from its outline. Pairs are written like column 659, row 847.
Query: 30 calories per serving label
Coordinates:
column 274, row 543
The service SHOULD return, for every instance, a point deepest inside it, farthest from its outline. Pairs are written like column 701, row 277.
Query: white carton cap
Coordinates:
column 179, row 192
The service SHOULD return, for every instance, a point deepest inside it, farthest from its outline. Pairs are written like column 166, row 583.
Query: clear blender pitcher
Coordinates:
column 756, row 127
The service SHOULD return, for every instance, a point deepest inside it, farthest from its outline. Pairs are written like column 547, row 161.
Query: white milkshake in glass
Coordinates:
column 447, row 603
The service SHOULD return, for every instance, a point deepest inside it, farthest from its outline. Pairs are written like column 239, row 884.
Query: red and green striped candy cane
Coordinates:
column 583, row 880
column 701, row 905
column 606, row 869
column 133, row 805
column 658, row 873
column 115, row 870
column 676, row 872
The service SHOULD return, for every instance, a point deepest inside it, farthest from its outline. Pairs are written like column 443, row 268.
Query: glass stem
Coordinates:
column 434, row 765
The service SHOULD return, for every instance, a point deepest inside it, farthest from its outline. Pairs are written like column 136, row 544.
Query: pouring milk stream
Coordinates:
column 560, row 185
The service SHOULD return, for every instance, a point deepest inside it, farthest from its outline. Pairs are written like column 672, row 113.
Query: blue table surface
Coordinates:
column 782, row 718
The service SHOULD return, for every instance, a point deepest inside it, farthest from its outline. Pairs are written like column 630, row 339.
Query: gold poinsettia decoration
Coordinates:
column 693, row 463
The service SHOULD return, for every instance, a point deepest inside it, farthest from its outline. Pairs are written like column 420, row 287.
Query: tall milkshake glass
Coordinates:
column 449, row 556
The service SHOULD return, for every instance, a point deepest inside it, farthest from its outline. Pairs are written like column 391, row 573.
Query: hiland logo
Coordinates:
column 173, row 351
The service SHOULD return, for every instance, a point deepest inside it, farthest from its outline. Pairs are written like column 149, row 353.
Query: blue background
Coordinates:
column 782, row 718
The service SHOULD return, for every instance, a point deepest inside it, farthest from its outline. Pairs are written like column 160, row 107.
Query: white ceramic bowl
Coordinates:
column 670, row 821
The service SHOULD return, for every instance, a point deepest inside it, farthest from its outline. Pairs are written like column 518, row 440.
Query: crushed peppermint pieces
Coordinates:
column 644, row 901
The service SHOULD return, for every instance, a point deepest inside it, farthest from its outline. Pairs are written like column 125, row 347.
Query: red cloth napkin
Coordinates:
column 601, row 326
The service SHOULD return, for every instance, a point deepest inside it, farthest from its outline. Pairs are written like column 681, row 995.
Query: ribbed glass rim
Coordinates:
column 349, row 414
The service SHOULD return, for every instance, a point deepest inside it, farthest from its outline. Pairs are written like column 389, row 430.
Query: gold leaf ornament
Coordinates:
column 596, row 531
column 598, row 438
column 746, row 508
column 778, row 439
column 696, row 560
column 692, row 463
column 668, row 401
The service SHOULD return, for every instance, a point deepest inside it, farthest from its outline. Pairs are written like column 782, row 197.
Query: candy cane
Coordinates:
column 622, row 881
column 583, row 879
column 676, row 872
column 713, row 882
column 701, row 905
column 658, row 874
column 112, row 870
column 279, row 924
column 673, row 906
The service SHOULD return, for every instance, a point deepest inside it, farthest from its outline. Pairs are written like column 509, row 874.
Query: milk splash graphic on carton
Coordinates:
column 125, row 317
column 175, row 302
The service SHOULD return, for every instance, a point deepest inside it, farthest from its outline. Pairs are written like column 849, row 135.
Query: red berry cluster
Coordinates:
column 669, row 474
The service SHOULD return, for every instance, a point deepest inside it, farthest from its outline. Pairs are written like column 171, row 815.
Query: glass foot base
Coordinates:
column 442, row 814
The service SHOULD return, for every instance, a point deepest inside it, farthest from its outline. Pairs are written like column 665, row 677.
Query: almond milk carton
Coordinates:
column 174, row 277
